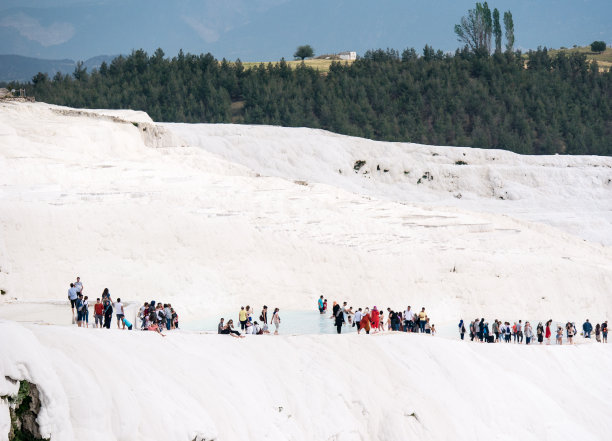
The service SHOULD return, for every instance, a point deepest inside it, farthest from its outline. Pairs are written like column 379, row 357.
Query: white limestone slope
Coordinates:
column 571, row 192
column 212, row 217
column 85, row 194
column 113, row 385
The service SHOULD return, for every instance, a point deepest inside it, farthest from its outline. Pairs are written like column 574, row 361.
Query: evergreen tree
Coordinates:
column 497, row 31
column 509, row 28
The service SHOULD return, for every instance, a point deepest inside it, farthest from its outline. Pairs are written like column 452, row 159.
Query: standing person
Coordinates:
column 559, row 335
column 427, row 327
column 339, row 320
column 408, row 318
column 335, row 309
column 375, row 319
column 357, row 320
column 393, row 317
column 161, row 316
column 220, row 326
column 496, row 330
column 349, row 316
column 540, row 333
column 433, row 329
column 79, row 307
column 528, row 333
column 381, row 321
column 263, row 317
column 120, row 314
column 72, row 296
column 86, row 311
column 175, row 318
column 604, row 331
column 321, row 310
column 78, row 285
column 422, row 319
column 598, row 333
column 99, row 313
column 276, row 320
column 108, row 312
column 519, row 332
column 587, row 327
column 168, row 314
column 514, row 333
column 570, row 333
column 508, row 332
column 242, row 318
column 461, row 329
column 142, row 314
column 105, row 294
column 548, row 331
column 481, row 329
column 324, row 306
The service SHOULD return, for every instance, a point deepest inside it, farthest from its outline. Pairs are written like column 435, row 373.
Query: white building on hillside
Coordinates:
column 349, row 56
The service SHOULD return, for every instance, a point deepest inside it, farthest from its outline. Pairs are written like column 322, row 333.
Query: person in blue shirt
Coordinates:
column 72, row 296
column 321, row 305
column 79, row 307
column 587, row 327
column 127, row 323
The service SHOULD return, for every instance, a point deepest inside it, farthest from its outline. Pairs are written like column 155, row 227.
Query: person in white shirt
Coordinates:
column 78, row 285
column 257, row 329
column 118, row 306
column 357, row 319
column 408, row 317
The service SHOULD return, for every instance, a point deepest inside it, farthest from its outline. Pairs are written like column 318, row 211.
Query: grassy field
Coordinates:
column 321, row 65
column 604, row 59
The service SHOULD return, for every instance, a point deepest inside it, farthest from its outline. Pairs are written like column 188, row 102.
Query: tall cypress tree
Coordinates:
column 509, row 26
column 497, row 31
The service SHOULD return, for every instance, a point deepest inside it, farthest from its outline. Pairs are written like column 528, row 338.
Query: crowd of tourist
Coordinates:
column 248, row 325
column 154, row 316
column 498, row 331
column 374, row 320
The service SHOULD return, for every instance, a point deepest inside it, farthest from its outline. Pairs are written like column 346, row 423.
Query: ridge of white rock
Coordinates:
column 138, row 386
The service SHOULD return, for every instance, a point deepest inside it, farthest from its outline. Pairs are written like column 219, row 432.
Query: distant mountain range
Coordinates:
column 18, row 68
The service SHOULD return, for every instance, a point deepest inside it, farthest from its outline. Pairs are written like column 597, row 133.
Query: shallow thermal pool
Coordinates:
column 292, row 322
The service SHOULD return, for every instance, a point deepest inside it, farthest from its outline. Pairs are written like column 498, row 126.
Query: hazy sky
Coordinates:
column 264, row 30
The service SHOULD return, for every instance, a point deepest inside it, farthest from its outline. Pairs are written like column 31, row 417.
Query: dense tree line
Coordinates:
column 538, row 105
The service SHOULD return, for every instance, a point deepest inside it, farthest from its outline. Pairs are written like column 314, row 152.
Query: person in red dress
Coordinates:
column 366, row 321
column 548, row 333
column 375, row 319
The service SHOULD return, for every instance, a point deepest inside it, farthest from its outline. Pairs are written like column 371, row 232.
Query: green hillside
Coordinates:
column 604, row 59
